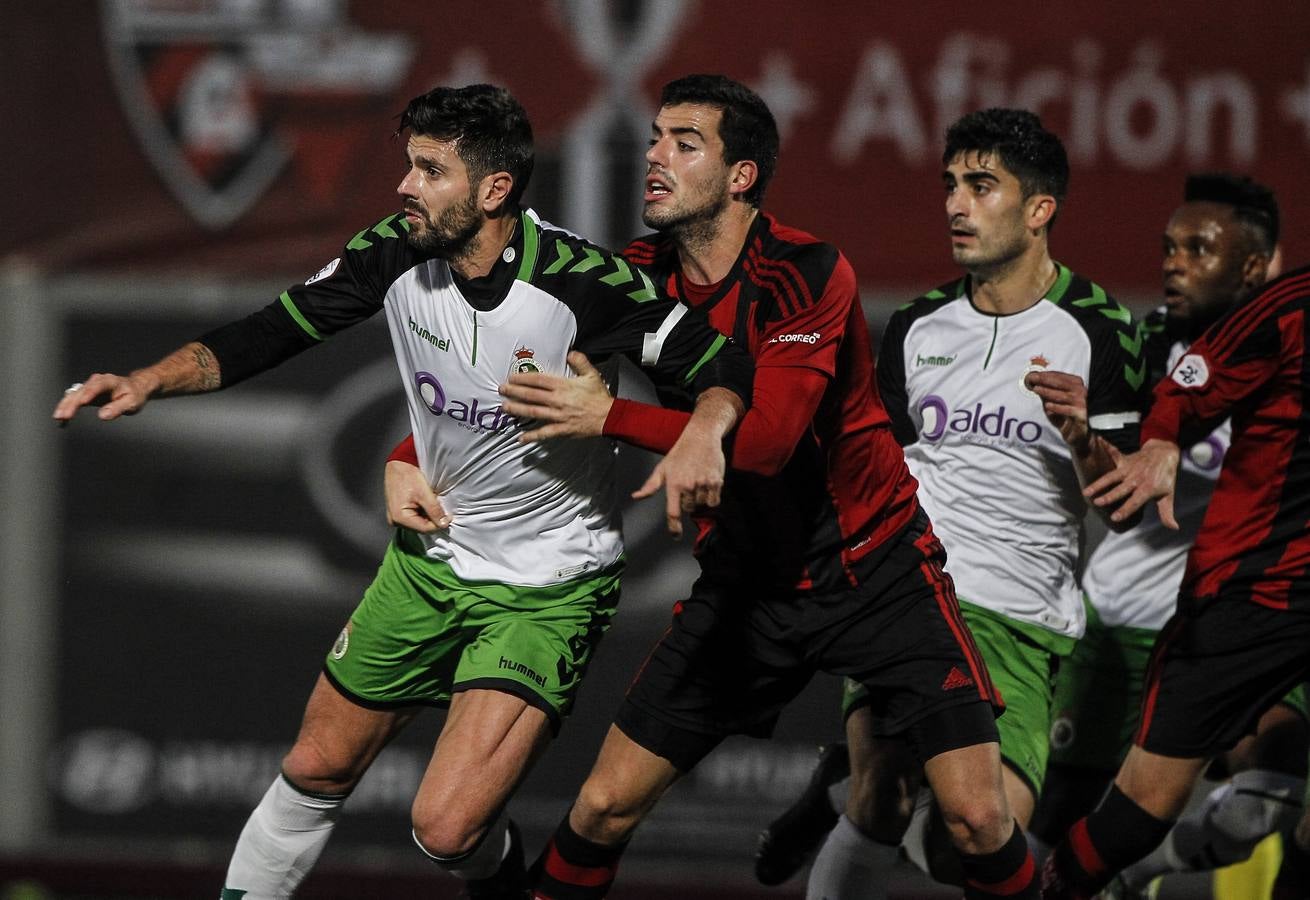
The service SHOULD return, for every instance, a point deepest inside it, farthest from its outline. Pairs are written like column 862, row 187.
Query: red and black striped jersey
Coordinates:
column 817, row 484
column 1254, row 365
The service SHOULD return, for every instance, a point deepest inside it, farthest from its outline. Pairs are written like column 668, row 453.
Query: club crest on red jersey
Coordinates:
column 217, row 91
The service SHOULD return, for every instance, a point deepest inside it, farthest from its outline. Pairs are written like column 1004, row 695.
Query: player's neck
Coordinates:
column 1016, row 285
column 707, row 258
column 479, row 256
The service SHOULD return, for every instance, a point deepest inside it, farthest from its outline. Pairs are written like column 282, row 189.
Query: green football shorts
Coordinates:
column 1022, row 660
column 421, row 634
column 1098, row 695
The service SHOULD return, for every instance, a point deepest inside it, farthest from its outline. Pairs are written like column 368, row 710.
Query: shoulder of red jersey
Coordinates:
column 794, row 263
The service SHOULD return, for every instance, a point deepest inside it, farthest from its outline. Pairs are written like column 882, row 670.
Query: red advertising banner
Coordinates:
column 254, row 137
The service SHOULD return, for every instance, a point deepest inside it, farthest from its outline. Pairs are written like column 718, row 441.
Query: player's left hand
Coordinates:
column 1137, row 479
column 1064, row 400
column 569, row 407
column 411, row 502
column 691, row 474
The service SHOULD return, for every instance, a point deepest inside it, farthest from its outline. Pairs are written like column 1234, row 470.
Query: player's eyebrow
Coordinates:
column 977, row 176
column 677, row 130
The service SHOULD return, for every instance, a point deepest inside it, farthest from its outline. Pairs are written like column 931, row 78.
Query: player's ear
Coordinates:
column 744, row 175
column 1255, row 270
column 494, row 191
column 1041, row 210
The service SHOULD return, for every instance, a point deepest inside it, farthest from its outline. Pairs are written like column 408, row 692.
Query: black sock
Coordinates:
column 1115, row 835
column 1007, row 872
column 574, row 868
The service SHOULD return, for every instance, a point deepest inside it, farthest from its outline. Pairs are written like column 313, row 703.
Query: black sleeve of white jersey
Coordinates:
column 1116, row 379
column 344, row 292
column 891, row 377
column 675, row 346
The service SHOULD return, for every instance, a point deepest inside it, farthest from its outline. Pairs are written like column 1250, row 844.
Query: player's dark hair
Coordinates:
column 1016, row 137
column 747, row 128
column 1253, row 203
column 489, row 127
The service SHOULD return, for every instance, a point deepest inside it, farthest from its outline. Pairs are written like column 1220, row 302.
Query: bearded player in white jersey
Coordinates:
column 495, row 612
column 1009, row 388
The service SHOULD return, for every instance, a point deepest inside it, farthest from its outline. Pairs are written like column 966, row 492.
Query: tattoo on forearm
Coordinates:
column 207, row 374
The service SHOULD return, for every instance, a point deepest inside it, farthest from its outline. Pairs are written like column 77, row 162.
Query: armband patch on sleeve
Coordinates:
column 652, row 343
column 1191, row 371
column 1111, row 421
column 324, row 272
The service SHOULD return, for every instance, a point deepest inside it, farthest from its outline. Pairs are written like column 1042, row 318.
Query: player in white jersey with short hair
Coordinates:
column 495, row 611
column 1217, row 250
column 1009, row 389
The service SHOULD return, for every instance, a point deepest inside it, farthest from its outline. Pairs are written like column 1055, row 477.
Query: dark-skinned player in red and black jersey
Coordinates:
column 1241, row 636
column 819, row 557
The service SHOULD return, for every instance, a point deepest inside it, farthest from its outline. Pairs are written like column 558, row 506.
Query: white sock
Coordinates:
column 281, row 841
column 851, row 866
column 482, row 861
column 1226, row 827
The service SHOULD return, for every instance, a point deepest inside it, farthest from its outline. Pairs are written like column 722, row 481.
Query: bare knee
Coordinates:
column 604, row 812
column 311, row 767
column 448, row 834
column 978, row 823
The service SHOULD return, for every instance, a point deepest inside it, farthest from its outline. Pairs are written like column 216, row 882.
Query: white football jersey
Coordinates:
column 995, row 476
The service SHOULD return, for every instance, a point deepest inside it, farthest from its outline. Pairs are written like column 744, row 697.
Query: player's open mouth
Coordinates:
column 655, row 189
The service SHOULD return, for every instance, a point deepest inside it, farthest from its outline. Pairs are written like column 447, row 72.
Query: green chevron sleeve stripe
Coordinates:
column 359, row 242
column 564, row 256
column 646, row 291
column 708, row 355
column 300, row 319
column 1133, row 343
column 591, row 258
column 1119, row 313
column 1135, row 377
column 934, row 294
column 1096, row 299
column 384, row 229
column 621, row 274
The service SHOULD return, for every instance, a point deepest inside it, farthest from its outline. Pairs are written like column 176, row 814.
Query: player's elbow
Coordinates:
column 764, row 461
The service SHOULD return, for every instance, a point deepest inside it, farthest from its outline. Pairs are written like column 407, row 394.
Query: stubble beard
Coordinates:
column 988, row 260
column 453, row 234
column 694, row 228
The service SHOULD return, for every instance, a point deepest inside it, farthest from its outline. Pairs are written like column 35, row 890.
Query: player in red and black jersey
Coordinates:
column 819, row 557
column 1239, row 639
column 818, row 486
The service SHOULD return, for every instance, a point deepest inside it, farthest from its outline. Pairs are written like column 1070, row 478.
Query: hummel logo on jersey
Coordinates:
column 811, row 338
column 442, row 344
column 956, row 679
column 933, row 360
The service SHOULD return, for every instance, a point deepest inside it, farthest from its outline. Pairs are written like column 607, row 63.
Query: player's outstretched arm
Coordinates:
column 191, row 369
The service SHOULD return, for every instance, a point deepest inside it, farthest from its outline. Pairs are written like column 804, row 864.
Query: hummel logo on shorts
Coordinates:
column 956, row 679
